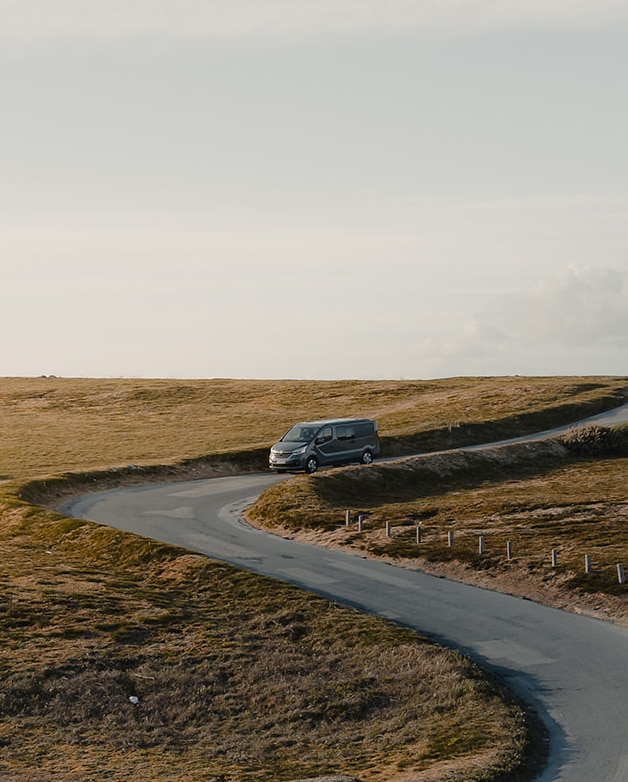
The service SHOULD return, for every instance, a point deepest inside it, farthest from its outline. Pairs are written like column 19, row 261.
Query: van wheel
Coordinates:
column 311, row 465
column 367, row 457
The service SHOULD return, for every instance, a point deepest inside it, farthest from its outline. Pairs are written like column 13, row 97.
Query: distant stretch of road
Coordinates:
column 572, row 669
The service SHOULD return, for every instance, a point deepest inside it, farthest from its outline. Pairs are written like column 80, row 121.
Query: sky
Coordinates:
column 313, row 189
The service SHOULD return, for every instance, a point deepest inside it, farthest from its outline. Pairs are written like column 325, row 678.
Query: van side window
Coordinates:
column 325, row 435
column 345, row 432
column 364, row 429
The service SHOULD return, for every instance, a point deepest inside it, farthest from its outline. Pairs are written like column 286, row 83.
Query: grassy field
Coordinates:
column 236, row 677
column 52, row 424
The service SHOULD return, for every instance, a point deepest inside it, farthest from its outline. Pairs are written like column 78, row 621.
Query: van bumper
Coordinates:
column 286, row 463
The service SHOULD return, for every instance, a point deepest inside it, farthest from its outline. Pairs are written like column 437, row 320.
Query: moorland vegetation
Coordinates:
column 124, row 658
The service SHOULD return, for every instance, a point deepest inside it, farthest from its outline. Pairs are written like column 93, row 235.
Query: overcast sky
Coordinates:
column 313, row 188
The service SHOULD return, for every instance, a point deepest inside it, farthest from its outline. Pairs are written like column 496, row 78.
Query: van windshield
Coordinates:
column 300, row 434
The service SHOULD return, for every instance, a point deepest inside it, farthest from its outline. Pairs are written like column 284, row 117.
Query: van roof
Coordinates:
column 332, row 421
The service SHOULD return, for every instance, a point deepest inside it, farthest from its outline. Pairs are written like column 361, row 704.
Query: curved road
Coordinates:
column 572, row 669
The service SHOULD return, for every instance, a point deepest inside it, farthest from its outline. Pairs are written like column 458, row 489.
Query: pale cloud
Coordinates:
column 552, row 325
column 280, row 18
column 581, row 307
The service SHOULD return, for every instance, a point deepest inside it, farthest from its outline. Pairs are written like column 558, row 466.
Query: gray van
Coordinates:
column 311, row 444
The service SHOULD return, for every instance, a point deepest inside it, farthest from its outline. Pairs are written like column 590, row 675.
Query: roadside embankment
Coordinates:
column 523, row 518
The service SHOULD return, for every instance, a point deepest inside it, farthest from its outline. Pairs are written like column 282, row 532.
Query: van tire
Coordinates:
column 311, row 465
column 367, row 458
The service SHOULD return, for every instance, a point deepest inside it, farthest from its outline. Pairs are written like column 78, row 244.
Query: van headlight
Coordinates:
column 299, row 451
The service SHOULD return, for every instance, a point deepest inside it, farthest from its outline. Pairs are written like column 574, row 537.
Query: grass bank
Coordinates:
column 537, row 519
column 231, row 676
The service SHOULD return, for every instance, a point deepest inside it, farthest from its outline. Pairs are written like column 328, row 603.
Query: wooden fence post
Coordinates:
column 620, row 574
column 347, row 518
column 481, row 545
column 554, row 557
column 587, row 563
column 509, row 549
column 418, row 533
column 388, row 529
column 360, row 523
column 450, row 538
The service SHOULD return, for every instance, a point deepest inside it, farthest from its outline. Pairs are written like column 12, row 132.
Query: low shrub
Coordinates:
column 597, row 441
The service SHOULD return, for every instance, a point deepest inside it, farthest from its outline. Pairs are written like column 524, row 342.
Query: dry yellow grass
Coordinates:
column 56, row 424
column 237, row 677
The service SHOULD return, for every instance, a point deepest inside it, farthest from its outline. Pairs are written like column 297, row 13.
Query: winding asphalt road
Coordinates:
column 572, row 669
